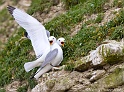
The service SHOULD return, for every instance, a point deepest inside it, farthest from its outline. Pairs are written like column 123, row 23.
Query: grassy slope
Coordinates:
column 16, row 53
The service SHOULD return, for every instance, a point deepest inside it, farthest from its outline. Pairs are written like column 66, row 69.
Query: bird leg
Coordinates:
column 55, row 68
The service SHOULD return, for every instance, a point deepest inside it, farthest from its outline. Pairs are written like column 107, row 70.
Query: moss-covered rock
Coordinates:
column 108, row 82
column 63, row 84
column 82, row 65
column 110, row 52
column 58, row 82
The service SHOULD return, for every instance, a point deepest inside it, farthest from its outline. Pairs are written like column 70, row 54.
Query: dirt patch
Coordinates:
column 54, row 12
column 109, row 15
column 13, row 86
column 76, row 28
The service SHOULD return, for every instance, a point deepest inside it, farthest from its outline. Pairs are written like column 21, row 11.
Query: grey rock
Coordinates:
column 77, row 88
column 97, row 75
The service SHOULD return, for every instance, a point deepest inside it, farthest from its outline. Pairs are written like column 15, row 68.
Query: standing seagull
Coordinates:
column 38, row 37
column 30, row 65
column 52, row 59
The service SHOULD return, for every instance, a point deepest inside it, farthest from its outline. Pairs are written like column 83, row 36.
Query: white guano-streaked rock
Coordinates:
column 110, row 47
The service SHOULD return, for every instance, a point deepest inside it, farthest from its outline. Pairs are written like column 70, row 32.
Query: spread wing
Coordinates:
column 26, row 34
column 34, row 28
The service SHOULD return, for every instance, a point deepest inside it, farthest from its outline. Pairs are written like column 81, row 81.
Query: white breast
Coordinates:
column 59, row 56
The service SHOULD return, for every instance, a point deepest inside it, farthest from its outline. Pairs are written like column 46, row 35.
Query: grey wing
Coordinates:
column 49, row 57
column 48, row 33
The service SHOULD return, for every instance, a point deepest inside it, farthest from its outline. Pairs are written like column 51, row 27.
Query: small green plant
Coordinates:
column 70, row 66
column 2, row 2
column 22, row 89
column 99, row 18
column 2, row 90
column 31, row 83
column 40, row 6
column 71, row 3
column 5, row 14
column 118, row 3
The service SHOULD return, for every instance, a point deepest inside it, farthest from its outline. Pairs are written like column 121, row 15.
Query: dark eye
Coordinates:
column 59, row 40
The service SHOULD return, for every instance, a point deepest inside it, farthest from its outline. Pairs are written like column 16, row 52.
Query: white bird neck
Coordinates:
column 55, row 45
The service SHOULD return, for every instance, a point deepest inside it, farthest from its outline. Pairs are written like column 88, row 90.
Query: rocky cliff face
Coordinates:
column 100, row 75
column 94, row 73
column 101, row 70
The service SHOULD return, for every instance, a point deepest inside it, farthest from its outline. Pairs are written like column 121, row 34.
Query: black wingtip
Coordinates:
column 26, row 34
column 10, row 9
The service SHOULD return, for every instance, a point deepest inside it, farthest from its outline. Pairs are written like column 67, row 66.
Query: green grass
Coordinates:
column 2, row 90
column 12, row 59
column 70, row 3
column 99, row 18
column 23, row 89
column 62, row 25
column 40, row 6
column 118, row 3
column 4, row 15
column 16, row 52
column 2, row 2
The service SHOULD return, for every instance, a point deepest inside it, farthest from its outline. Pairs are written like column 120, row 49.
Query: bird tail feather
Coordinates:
column 30, row 65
